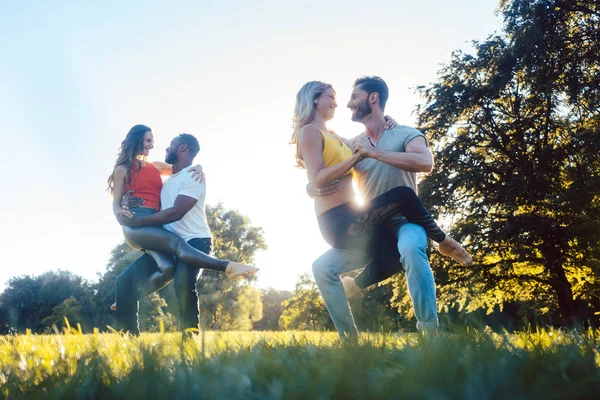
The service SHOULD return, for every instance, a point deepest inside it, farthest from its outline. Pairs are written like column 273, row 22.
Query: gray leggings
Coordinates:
column 164, row 246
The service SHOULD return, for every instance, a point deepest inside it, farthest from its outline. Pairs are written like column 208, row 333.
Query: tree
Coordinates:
column 306, row 309
column 153, row 311
column 272, row 300
column 516, row 129
column 69, row 309
column 28, row 300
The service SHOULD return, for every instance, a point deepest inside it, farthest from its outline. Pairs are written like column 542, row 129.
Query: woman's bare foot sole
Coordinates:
column 451, row 248
column 350, row 286
column 236, row 269
column 114, row 307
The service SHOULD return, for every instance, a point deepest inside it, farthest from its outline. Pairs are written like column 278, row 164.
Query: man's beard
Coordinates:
column 171, row 158
column 362, row 110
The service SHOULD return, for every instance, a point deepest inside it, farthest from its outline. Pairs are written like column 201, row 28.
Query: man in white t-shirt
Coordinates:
column 182, row 203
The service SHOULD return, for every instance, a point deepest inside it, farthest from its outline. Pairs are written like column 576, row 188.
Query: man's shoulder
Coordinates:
column 182, row 176
column 401, row 135
column 405, row 130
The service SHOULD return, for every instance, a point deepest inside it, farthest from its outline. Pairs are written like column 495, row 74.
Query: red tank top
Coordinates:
column 146, row 183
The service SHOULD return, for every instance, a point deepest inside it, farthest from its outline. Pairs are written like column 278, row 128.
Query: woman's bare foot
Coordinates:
column 350, row 286
column 451, row 248
column 114, row 307
column 236, row 269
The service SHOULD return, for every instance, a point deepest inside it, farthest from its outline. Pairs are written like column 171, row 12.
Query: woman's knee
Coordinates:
column 178, row 244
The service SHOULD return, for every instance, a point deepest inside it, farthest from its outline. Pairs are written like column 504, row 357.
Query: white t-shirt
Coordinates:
column 193, row 224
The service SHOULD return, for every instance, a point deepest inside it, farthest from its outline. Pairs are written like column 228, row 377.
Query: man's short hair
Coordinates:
column 374, row 84
column 190, row 141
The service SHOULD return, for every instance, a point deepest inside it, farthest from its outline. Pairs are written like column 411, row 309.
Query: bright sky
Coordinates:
column 74, row 77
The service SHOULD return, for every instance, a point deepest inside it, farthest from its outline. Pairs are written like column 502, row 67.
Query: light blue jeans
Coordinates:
column 412, row 244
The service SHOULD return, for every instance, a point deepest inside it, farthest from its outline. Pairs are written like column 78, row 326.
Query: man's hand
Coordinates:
column 198, row 174
column 363, row 146
column 313, row 191
column 128, row 201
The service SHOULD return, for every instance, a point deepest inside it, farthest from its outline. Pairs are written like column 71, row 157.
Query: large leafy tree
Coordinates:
column 516, row 133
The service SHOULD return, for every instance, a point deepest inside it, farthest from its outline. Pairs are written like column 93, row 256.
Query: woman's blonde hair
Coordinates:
column 304, row 111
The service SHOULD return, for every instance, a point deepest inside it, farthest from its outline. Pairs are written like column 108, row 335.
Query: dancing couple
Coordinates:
column 389, row 232
column 167, row 221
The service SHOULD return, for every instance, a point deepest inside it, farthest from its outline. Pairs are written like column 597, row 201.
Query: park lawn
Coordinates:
column 467, row 364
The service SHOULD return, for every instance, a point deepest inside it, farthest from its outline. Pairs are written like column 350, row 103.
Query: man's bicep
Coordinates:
column 190, row 187
column 184, row 203
column 418, row 144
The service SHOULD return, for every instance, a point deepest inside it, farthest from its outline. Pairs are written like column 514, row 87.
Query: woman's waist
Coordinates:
column 143, row 211
column 344, row 195
column 151, row 198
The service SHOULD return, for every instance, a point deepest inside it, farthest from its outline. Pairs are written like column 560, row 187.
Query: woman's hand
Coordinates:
column 125, row 212
column 389, row 122
column 363, row 146
column 198, row 174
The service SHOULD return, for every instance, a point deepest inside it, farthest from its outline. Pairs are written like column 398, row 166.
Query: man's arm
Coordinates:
column 416, row 158
column 313, row 191
column 182, row 205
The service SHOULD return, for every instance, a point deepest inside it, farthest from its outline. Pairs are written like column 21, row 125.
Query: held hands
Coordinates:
column 363, row 146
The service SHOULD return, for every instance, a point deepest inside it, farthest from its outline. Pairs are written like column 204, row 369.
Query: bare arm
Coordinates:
column 119, row 177
column 182, row 205
column 311, row 149
column 167, row 170
column 416, row 158
column 164, row 168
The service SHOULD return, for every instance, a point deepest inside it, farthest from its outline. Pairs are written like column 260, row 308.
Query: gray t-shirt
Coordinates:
column 375, row 177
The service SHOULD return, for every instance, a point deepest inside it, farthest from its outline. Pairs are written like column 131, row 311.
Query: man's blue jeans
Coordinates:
column 412, row 245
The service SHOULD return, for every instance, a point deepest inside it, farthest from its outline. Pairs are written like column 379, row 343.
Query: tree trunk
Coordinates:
column 560, row 284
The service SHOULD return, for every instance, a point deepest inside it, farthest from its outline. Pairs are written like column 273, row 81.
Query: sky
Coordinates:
column 75, row 76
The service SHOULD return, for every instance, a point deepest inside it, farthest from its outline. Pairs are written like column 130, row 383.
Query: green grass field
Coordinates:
column 301, row 365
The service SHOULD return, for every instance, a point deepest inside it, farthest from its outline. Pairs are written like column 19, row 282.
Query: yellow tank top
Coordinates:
column 335, row 150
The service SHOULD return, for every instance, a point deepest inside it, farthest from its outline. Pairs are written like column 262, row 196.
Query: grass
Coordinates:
column 302, row 365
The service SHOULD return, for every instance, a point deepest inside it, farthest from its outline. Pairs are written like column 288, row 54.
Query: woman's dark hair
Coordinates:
column 131, row 147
